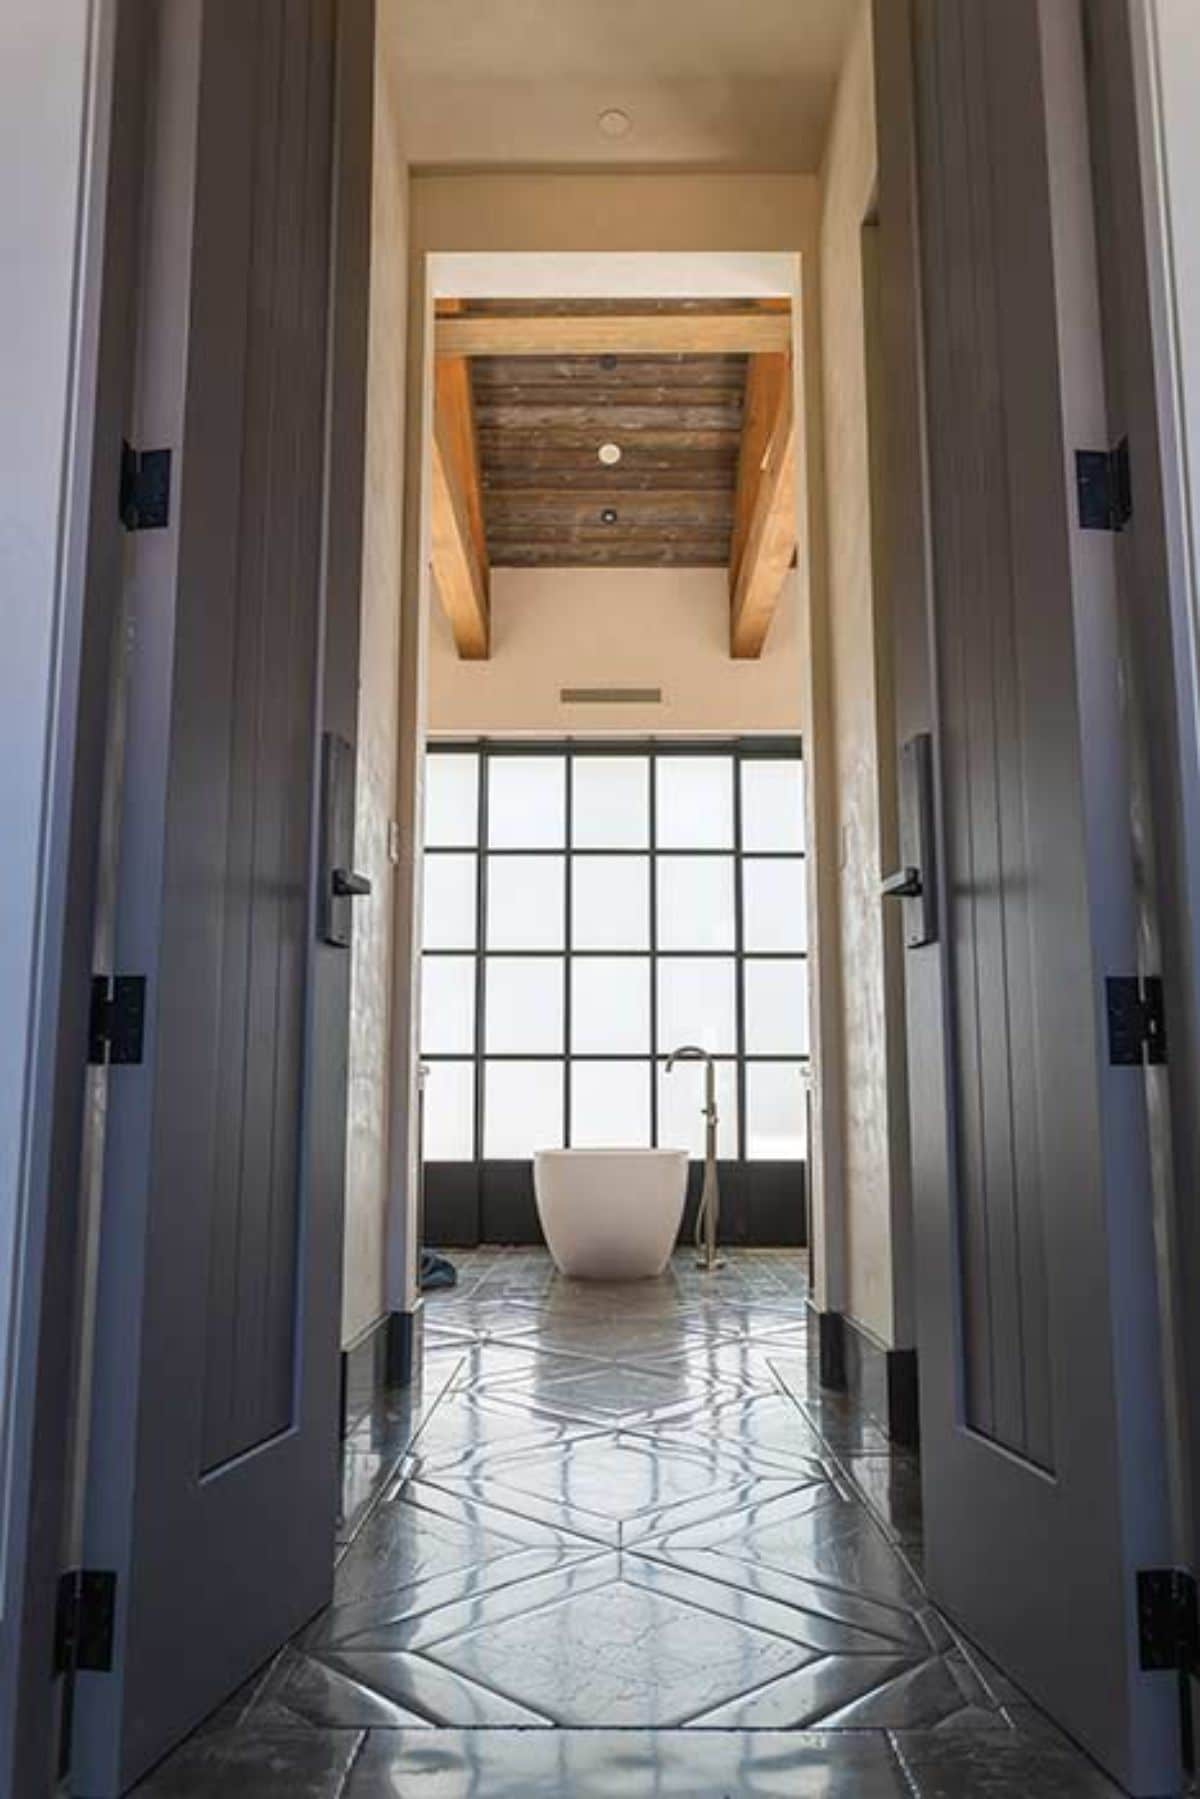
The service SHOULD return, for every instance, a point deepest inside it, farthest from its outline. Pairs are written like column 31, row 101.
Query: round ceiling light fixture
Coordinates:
column 609, row 516
column 614, row 123
column 609, row 454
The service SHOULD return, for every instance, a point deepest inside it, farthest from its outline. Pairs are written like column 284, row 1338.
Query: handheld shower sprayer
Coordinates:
column 708, row 1215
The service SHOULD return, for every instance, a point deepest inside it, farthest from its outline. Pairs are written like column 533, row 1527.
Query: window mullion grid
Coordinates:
column 604, row 1055
column 742, row 1058
column 481, row 896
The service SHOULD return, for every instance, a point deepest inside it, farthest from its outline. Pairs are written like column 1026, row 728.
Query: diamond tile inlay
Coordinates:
column 624, row 1654
column 622, row 1544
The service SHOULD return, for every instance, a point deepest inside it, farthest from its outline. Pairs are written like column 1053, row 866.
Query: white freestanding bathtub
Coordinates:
column 611, row 1214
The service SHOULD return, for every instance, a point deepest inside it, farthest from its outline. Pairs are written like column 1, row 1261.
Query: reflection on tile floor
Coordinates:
column 629, row 1549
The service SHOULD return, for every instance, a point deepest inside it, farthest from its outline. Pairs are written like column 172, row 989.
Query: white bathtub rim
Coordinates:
column 612, row 1150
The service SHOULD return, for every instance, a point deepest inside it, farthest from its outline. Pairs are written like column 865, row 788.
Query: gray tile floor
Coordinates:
column 617, row 1544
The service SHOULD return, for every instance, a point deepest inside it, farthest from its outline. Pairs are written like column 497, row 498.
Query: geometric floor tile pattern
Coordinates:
column 626, row 1549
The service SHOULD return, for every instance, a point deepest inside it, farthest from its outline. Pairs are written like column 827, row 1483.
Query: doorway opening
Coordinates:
column 687, row 1465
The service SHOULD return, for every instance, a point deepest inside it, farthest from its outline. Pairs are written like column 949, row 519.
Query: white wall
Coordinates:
column 369, row 1137
column 579, row 627
column 607, row 213
column 859, row 674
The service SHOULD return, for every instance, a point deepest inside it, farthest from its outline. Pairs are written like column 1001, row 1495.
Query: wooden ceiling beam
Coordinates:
column 764, row 532
column 455, row 406
column 691, row 332
column 460, row 560
column 460, row 551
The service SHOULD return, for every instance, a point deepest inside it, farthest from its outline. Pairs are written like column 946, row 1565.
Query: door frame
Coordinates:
column 46, row 1346
column 58, row 1222
column 1123, row 104
column 518, row 270
column 1161, row 606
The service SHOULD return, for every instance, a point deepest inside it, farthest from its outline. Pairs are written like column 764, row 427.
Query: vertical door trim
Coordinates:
column 45, row 1346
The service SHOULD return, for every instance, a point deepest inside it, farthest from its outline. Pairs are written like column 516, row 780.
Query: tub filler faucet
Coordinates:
column 709, row 1212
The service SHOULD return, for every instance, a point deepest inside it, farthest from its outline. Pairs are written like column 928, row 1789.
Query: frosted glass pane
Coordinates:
column 452, row 799
column 522, row 1109
column 610, row 802
column 526, row 902
column 450, row 1112
column 696, row 1005
column 527, row 802
column 773, row 805
column 610, row 1006
column 448, row 1006
column 696, row 906
column 610, row 1105
column 776, row 1118
column 776, row 1008
column 524, row 1000
column 773, row 899
column 610, row 902
column 695, row 802
column 680, row 1109
column 448, row 908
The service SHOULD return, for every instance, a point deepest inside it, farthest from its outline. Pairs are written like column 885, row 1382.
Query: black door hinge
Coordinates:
column 117, row 1022
column 1137, row 1021
column 1105, row 487
column 145, row 499
column 84, row 1622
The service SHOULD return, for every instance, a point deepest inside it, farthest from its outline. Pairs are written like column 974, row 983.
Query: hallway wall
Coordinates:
column 44, row 58
column 368, row 1137
column 874, row 1142
column 606, row 627
column 54, row 69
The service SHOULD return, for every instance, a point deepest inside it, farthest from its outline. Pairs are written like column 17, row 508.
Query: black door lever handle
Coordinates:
column 348, row 885
column 904, row 884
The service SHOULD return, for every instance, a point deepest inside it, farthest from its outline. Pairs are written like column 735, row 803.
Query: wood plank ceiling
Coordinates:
column 549, row 501
column 703, row 433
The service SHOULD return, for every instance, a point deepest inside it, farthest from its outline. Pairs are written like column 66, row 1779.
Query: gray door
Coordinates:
column 1041, row 1400
column 212, row 1474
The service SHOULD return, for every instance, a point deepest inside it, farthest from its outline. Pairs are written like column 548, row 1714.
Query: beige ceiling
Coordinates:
column 743, row 84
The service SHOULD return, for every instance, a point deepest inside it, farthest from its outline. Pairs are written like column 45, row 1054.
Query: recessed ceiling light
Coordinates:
column 609, row 516
column 614, row 123
column 609, row 454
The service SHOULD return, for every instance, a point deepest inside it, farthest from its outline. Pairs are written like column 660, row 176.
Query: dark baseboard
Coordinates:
column 831, row 1351
column 882, row 1381
column 403, row 1331
column 904, row 1405
column 466, row 1204
column 386, row 1355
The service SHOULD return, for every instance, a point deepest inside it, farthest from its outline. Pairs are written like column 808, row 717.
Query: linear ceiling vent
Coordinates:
column 611, row 696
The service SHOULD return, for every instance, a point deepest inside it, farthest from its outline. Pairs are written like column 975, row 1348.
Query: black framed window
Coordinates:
column 590, row 907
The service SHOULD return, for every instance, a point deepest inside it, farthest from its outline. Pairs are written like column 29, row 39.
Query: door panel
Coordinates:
column 258, row 830
column 1003, row 653
column 212, row 1484
column 1041, row 1405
